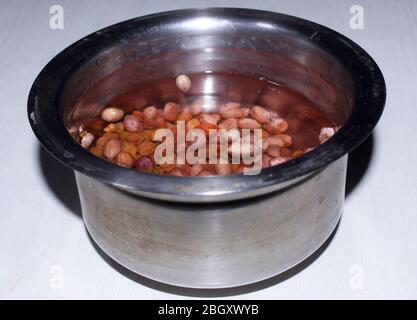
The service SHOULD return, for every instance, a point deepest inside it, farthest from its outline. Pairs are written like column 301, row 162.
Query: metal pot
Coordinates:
column 210, row 232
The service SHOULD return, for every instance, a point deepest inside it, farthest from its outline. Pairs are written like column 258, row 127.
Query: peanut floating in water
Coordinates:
column 112, row 114
column 183, row 82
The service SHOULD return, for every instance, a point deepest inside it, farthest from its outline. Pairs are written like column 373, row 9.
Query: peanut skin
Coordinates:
column 277, row 126
column 112, row 148
column 260, row 114
column 248, row 123
column 124, row 159
column 325, row 134
column 171, row 111
column 277, row 160
column 150, row 113
column 87, row 140
column 183, row 82
column 233, row 113
column 144, row 164
column 132, row 124
column 280, row 140
column 111, row 114
column 229, row 124
column 273, row 151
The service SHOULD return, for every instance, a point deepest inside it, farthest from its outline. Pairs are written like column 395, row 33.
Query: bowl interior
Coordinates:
column 212, row 44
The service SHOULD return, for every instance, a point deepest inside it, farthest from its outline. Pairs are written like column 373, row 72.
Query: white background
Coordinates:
column 45, row 251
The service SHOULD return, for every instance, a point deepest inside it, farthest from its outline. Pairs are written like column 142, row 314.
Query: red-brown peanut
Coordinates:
column 248, row 123
column 260, row 114
column 150, row 113
column 171, row 111
column 125, row 159
column 277, row 125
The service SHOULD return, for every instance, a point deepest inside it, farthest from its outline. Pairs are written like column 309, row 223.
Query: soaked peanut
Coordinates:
column 280, row 140
column 248, row 123
column 275, row 141
column 129, row 148
column 112, row 148
column 125, row 159
column 112, row 114
column 229, row 124
column 138, row 115
column 135, row 137
column 285, row 152
column 233, row 113
column 230, row 106
column 110, row 128
column 273, row 151
column 183, row 82
column 144, row 164
column 120, row 127
column 277, row 160
column 111, row 135
column 265, row 144
column 185, row 115
column 325, row 134
column 210, row 118
column 146, row 148
column 150, row 113
column 196, row 107
column 277, row 125
column 132, row 124
column 260, row 114
column 87, row 140
column 265, row 160
column 172, row 111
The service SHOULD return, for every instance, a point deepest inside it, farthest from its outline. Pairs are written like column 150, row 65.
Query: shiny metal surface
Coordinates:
column 215, row 245
column 213, row 231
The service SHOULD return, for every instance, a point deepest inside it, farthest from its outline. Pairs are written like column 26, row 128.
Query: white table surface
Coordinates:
column 45, row 251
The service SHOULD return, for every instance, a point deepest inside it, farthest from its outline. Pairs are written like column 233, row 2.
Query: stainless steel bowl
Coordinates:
column 210, row 232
